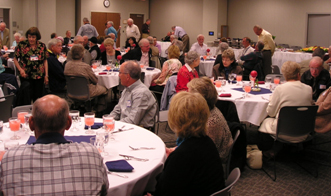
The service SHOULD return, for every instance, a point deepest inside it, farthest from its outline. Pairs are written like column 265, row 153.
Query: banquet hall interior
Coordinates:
column 287, row 20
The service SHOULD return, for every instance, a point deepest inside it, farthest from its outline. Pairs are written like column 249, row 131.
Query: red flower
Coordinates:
column 208, row 50
column 119, row 57
column 134, row 45
column 254, row 74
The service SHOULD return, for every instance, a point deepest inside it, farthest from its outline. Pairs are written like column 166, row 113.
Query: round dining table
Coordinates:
column 142, row 178
column 252, row 109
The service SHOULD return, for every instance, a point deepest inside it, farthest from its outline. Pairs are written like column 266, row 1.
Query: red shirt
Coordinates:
column 183, row 77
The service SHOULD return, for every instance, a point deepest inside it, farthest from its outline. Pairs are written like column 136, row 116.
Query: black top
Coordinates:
column 135, row 54
column 104, row 56
column 322, row 82
column 97, row 49
column 145, row 28
column 57, row 80
column 51, row 137
column 194, row 168
column 218, row 59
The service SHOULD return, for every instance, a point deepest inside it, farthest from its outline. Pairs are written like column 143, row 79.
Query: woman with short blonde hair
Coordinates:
column 195, row 161
column 290, row 70
column 110, row 55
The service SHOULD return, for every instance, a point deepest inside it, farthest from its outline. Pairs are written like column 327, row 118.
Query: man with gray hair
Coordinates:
column 181, row 34
column 305, row 63
column 4, row 35
column 111, row 29
column 316, row 77
column 155, row 50
column 132, row 30
column 143, row 53
column 199, row 46
column 137, row 104
column 87, row 29
column 53, row 165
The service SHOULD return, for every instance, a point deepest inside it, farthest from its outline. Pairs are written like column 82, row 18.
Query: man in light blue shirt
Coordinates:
column 111, row 29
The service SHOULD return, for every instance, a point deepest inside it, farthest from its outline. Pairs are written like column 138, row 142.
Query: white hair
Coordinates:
column 17, row 34
column 130, row 20
column 53, row 42
column 200, row 35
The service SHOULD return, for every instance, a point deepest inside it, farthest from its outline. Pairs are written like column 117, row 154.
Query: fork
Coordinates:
column 141, row 148
column 128, row 157
column 116, row 174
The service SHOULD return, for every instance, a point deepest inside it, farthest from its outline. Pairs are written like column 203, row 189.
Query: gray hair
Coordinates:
column 17, row 34
column 173, row 36
column 85, row 20
column 223, row 46
column 290, row 70
column 76, row 38
column 318, row 60
column 130, row 19
column 54, row 122
column 110, row 22
column 133, row 69
column 200, row 35
column 143, row 40
column 150, row 39
column 191, row 57
column 260, row 45
column 53, row 42
column 178, row 43
column 77, row 51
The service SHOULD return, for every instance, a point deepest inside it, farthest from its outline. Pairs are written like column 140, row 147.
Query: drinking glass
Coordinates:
column 89, row 121
column 109, row 124
column 239, row 78
column 99, row 142
column 231, row 77
column 276, row 80
column 20, row 116
column 1, row 129
column 247, row 88
column 211, row 79
column 26, row 122
column 94, row 66
column 108, row 67
column 218, row 84
column 74, row 114
column 223, row 84
column 14, row 125
column 268, row 81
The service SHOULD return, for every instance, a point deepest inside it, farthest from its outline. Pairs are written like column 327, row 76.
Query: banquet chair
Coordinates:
column 21, row 108
column 160, row 116
column 294, row 122
column 156, row 60
column 78, row 90
column 230, row 154
column 229, row 183
column 6, row 105
column 275, row 69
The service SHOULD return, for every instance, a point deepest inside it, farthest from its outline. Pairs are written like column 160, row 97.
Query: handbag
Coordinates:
column 254, row 157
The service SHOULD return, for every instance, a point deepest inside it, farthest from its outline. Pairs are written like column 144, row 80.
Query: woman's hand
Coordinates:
column 170, row 150
column 23, row 74
column 46, row 80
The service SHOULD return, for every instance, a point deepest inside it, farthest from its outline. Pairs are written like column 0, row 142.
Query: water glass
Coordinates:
column 74, row 114
column 26, row 122
column 231, row 78
column 268, row 82
column 247, row 88
column 21, row 115
column 109, row 124
column 14, row 125
column 89, row 121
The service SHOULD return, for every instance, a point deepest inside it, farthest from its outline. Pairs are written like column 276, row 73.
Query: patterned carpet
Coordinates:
column 291, row 178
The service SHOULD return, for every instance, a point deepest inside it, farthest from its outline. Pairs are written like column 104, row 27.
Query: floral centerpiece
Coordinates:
column 255, row 82
column 312, row 48
column 119, row 58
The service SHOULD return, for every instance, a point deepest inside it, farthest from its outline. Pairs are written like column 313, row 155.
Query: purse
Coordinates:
column 254, row 157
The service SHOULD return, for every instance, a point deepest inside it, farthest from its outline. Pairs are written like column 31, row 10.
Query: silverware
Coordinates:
column 116, row 174
column 121, row 130
column 141, row 148
column 128, row 157
column 265, row 98
column 239, row 98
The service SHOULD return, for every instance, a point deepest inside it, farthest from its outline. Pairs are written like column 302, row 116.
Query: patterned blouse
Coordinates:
column 31, row 60
column 218, row 130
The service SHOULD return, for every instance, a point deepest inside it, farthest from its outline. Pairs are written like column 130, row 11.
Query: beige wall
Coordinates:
column 124, row 7
column 65, row 17
column 286, row 19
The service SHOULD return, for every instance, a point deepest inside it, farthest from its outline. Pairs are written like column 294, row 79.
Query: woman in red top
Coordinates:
column 187, row 72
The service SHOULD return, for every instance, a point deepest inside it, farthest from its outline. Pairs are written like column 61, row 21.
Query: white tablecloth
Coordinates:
column 112, row 80
column 206, row 67
column 252, row 109
column 11, row 64
column 143, row 176
column 164, row 47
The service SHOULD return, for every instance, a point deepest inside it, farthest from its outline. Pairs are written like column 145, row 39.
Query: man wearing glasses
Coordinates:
column 316, row 77
column 143, row 53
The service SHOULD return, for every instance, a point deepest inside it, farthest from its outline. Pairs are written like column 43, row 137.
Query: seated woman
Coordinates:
column 323, row 116
column 57, row 80
column 194, row 167
column 228, row 65
column 129, row 43
column 78, row 68
column 291, row 93
column 187, row 72
column 169, row 68
column 110, row 55
column 221, row 48
column 217, row 127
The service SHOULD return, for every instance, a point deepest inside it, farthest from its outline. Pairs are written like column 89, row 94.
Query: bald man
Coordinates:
column 53, row 165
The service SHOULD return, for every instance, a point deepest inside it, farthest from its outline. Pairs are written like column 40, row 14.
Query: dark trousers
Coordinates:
column 267, row 62
column 30, row 90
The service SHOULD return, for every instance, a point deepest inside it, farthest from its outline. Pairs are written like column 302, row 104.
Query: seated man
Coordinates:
column 137, row 105
column 251, row 60
column 57, row 81
column 94, row 49
column 247, row 49
column 156, row 44
column 143, row 53
column 155, row 50
column 87, row 56
column 316, row 77
column 199, row 46
column 52, row 165
column 305, row 63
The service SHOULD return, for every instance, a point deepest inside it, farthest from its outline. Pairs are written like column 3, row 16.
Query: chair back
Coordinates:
column 296, row 121
column 228, row 109
column 275, row 75
column 229, row 183
column 77, row 88
column 230, row 153
column 168, row 92
column 142, row 77
column 21, row 108
column 6, row 105
column 275, row 69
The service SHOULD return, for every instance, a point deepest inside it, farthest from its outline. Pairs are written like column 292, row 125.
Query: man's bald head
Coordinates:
column 50, row 114
column 315, row 66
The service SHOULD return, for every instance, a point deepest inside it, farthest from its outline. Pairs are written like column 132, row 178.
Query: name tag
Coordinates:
column 128, row 103
column 33, row 58
column 322, row 86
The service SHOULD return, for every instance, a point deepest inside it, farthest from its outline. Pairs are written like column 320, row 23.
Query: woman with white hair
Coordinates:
column 17, row 37
column 188, row 72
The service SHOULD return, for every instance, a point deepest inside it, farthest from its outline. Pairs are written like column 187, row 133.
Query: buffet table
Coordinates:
column 142, row 178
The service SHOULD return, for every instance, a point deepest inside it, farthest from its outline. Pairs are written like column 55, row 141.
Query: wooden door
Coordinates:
column 99, row 19
column 138, row 19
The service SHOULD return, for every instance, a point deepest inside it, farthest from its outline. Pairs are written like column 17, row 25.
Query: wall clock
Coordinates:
column 106, row 3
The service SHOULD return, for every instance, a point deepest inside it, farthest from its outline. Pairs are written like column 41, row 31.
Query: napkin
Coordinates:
column 95, row 126
column 225, row 95
column 261, row 82
column 119, row 166
column 150, row 68
column 107, row 70
column 102, row 73
column 78, row 139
